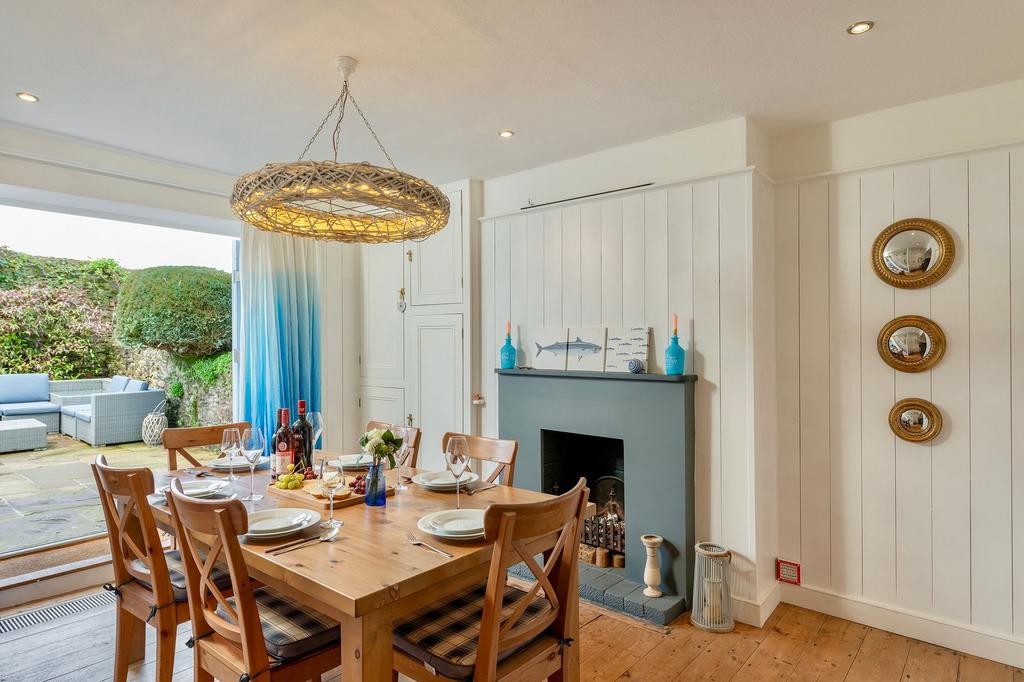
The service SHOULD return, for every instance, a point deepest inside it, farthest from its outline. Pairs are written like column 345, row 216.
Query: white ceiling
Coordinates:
column 230, row 85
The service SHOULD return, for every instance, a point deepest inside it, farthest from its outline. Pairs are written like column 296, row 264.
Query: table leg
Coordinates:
column 366, row 649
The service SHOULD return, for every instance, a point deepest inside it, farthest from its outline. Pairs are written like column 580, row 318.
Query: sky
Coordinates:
column 134, row 246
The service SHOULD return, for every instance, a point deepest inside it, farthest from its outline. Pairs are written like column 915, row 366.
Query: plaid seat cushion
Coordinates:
column 290, row 630
column 177, row 573
column 445, row 635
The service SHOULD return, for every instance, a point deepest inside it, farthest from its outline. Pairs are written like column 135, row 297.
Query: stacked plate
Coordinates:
column 443, row 481
column 199, row 488
column 278, row 523
column 360, row 461
column 454, row 524
column 234, row 463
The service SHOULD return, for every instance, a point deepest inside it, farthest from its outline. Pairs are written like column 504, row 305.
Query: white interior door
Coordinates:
column 383, row 355
column 434, row 394
column 436, row 268
column 381, row 403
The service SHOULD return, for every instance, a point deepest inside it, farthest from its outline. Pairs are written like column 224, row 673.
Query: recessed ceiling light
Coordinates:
column 859, row 27
column 26, row 97
column 506, row 133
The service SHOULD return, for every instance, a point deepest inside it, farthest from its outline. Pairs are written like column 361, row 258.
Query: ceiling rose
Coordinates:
column 346, row 202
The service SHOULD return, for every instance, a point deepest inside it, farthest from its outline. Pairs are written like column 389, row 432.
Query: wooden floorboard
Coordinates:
column 796, row 645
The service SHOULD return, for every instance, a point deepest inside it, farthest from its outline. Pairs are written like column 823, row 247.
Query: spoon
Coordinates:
column 326, row 536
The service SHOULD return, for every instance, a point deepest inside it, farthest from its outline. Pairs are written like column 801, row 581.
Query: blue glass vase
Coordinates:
column 675, row 358
column 508, row 354
column 376, row 486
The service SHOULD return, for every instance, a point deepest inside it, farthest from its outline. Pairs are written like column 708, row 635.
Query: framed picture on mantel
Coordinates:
column 550, row 347
column 625, row 344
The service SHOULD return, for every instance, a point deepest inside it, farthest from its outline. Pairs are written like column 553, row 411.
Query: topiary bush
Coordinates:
column 58, row 330
column 182, row 309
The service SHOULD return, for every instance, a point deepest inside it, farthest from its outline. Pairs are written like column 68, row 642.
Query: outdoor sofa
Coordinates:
column 112, row 414
column 27, row 396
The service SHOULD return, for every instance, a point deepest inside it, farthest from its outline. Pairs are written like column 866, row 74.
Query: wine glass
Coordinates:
column 316, row 421
column 230, row 444
column 332, row 477
column 253, row 444
column 456, row 454
column 403, row 451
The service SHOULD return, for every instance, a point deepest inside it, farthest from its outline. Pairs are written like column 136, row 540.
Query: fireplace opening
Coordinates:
column 565, row 457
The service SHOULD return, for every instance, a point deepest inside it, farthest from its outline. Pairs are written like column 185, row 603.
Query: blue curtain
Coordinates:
column 281, row 326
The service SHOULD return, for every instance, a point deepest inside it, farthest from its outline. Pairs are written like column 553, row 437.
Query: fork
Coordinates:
column 482, row 488
column 419, row 543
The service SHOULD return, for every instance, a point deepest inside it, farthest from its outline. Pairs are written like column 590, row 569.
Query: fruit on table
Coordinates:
column 358, row 485
column 289, row 481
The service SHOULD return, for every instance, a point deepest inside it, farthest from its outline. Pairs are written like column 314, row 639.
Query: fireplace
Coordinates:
column 565, row 457
column 627, row 433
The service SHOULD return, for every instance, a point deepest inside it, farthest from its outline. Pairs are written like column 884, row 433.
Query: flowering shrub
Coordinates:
column 58, row 330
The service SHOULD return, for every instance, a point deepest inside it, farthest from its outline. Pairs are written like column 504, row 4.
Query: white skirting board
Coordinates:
column 756, row 613
column 967, row 638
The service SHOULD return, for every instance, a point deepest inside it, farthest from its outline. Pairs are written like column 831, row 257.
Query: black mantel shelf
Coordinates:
column 619, row 376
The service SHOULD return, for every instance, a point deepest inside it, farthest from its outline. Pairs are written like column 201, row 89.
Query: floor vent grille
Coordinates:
column 55, row 611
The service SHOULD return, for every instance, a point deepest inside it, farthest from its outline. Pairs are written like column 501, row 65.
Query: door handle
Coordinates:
column 401, row 300
column 408, row 419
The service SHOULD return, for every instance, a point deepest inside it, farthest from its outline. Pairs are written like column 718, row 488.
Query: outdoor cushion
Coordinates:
column 83, row 412
column 117, row 384
column 40, row 407
column 24, row 388
column 136, row 385
column 445, row 635
column 291, row 630
column 176, row 571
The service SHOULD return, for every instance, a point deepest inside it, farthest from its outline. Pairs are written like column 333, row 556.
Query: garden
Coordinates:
column 78, row 319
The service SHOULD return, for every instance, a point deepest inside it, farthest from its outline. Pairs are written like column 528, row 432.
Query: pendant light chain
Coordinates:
column 339, row 105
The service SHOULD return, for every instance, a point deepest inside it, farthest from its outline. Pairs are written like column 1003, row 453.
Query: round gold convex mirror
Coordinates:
column 913, row 253
column 915, row 420
column 911, row 343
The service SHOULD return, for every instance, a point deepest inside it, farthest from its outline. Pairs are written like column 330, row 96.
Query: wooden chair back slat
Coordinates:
column 177, row 440
column 512, row 527
column 131, row 529
column 500, row 452
column 224, row 520
column 413, row 433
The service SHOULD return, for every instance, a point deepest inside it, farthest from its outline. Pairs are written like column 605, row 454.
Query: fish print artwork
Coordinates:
column 625, row 344
column 550, row 347
column 585, row 349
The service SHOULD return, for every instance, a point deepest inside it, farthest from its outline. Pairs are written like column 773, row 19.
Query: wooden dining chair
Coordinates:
column 177, row 440
column 495, row 631
column 501, row 452
column 148, row 580
column 259, row 634
column 412, row 455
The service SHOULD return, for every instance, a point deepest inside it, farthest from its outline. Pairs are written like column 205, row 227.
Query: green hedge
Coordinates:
column 55, row 330
column 99, row 278
column 182, row 309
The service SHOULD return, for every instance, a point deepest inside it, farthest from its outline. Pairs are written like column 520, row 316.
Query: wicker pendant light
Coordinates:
column 346, row 202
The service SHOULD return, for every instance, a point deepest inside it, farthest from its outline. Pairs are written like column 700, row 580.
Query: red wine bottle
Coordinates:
column 283, row 444
column 303, row 439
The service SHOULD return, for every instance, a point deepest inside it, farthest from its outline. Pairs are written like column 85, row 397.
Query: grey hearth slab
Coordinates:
column 608, row 587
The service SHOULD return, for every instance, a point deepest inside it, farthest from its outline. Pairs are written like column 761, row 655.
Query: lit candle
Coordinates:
column 675, row 324
column 508, row 328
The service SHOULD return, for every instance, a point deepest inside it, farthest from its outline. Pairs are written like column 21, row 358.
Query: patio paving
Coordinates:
column 49, row 496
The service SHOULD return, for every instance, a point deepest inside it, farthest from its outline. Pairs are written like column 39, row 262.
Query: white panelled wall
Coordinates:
column 636, row 258
column 927, row 538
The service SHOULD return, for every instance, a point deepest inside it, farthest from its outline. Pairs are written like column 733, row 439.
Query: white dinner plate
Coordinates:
column 360, row 461
column 458, row 521
column 236, row 462
column 200, row 488
column 443, row 480
column 424, row 525
column 274, row 521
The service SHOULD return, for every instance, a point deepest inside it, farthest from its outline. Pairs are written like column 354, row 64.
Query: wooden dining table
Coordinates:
column 371, row 575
